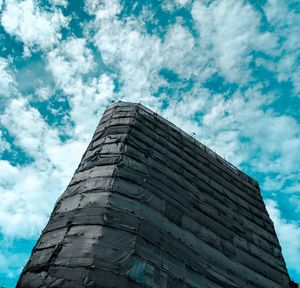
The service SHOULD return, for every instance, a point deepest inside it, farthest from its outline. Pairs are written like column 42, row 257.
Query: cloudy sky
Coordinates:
column 226, row 70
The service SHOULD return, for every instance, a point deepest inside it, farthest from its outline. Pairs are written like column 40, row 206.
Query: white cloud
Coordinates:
column 288, row 234
column 20, row 216
column 43, row 93
column 33, row 26
column 266, row 141
column 283, row 182
column 28, row 193
column 104, row 9
column 7, row 82
column 42, row 181
column 40, row 141
column 172, row 5
column 63, row 3
column 181, row 54
column 32, row 133
column 182, row 2
column 135, row 55
column 70, row 64
column 138, row 57
column 20, row 190
column 71, row 59
column 286, row 25
column 4, row 145
column 229, row 30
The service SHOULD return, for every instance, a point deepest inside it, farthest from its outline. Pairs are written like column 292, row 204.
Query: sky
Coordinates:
column 225, row 71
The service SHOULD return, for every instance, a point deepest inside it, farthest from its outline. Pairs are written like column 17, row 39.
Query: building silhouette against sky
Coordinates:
column 149, row 206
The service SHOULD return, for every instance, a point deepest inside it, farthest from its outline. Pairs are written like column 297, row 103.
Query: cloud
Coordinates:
column 39, row 182
column 19, row 190
column 31, row 134
column 103, row 9
column 63, row 3
column 267, row 141
column 71, row 59
column 286, row 25
column 132, row 54
column 4, row 145
column 288, row 233
column 182, row 2
column 72, row 65
column 7, row 81
column 138, row 57
column 230, row 31
column 173, row 5
column 30, row 24
column 43, row 93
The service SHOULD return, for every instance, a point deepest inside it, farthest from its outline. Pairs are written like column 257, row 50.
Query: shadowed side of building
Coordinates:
column 149, row 206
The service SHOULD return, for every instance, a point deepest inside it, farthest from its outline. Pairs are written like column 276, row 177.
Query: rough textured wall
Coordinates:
column 149, row 206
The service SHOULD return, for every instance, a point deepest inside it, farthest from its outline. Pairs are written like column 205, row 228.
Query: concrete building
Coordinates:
column 149, row 206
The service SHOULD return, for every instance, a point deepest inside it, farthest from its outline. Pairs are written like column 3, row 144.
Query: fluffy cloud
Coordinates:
column 33, row 26
column 172, row 5
column 19, row 216
column 288, row 234
column 6, row 79
column 138, row 57
column 70, row 60
column 70, row 65
column 23, row 187
column 39, row 182
column 230, row 31
column 31, row 134
column 63, row 3
column 135, row 55
column 286, row 23
column 4, row 145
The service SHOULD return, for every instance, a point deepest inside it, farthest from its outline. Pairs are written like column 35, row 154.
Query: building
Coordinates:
column 149, row 206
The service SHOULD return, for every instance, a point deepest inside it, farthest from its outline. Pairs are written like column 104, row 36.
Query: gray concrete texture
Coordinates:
column 149, row 206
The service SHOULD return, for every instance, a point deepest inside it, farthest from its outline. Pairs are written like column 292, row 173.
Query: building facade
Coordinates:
column 149, row 206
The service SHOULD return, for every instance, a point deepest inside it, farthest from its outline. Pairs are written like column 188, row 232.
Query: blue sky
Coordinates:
column 226, row 70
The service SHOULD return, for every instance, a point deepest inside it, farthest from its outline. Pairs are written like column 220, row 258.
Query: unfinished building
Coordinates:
column 149, row 206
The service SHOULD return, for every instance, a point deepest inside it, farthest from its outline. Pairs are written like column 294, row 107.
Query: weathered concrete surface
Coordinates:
column 149, row 206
